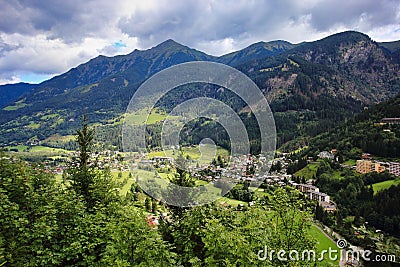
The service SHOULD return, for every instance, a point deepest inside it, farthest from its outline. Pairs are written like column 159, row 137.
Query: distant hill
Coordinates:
column 391, row 46
column 9, row 93
column 311, row 86
column 255, row 51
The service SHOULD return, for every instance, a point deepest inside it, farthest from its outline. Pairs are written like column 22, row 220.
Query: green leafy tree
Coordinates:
column 133, row 243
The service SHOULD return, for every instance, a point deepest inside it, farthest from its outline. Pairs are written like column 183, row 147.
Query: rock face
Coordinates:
column 348, row 64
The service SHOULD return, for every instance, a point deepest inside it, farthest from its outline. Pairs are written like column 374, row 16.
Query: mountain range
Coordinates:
column 310, row 86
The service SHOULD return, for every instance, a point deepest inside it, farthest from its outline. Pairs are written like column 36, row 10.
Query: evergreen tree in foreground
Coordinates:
column 82, row 174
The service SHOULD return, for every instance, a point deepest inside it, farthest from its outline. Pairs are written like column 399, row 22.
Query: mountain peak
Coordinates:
column 346, row 36
column 168, row 44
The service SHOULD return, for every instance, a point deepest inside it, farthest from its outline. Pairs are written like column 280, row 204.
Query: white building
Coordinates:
column 326, row 155
column 394, row 168
column 313, row 193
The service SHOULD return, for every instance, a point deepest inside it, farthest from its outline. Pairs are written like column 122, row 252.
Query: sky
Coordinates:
column 40, row 39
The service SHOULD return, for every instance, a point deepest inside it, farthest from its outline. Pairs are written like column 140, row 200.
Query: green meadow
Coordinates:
column 384, row 185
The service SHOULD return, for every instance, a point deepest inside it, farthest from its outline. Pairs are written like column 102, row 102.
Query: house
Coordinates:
column 366, row 156
column 391, row 120
column 306, row 188
column 326, row 155
column 328, row 206
column 318, row 196
column 163, row 159
column 313, row 193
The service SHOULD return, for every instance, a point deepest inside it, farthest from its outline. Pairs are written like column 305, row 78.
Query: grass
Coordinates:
column 20, row 148
column 193, row 152
column 47, row 150
column 201, row 183
column 33, row 125
column 60, row 138
column 324, row 243
column 18, row 105
column 384, row 185
column 231, row 202
column 259, row 192
column 308, row 172
column 127, row 186
column 49, row 116
column 338, row 175
column 351, row 162
column 57, row 122
column 168, row 177
column 40, row 151
column 143, row 117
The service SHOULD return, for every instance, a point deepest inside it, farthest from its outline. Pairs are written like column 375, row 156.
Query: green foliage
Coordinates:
column 133, row 243
column 44, row 223
column 355, row 196
column 241, row 192
column 221, row 236
column 364, row 134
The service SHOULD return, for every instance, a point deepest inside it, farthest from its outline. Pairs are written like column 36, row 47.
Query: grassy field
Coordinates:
column 308, row 172
column 384, row 185
column 337, row 174
column 193, row 152
column 47, row 150
column 38, row 151
column 143, row 117
column 127, row 186
column 259, row 192
column 351, row 162
column 49, row 116
column 18, row 105
column 60, row 138
column 20, row 148
column 34, row 125
column 231, row 202
column 323, row 243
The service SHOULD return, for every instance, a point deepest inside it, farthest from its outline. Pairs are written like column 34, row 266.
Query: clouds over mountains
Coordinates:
column 49, row 37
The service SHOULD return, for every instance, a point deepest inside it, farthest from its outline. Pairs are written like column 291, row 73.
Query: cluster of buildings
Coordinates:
column 366, row 166
column 104, row 159
column 313, row 193
column 238, row 170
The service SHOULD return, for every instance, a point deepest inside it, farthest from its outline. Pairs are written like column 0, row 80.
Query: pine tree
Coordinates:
column 147, row 204
column 154, row 206
column 81, row 173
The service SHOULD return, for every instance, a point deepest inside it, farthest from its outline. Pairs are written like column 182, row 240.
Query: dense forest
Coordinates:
column 365, row 132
